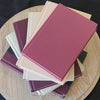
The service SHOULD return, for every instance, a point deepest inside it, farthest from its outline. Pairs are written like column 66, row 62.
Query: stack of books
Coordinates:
column 47, row 47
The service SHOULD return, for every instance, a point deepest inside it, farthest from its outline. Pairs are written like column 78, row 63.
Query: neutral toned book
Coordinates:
column 12, row 40
column 32, row 20
column 37, row 70
column 31, row 76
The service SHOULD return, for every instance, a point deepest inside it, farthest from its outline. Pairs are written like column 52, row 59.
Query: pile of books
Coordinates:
column 47, row 48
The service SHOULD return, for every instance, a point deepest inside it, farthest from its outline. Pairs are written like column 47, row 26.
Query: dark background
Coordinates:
column 10, row 7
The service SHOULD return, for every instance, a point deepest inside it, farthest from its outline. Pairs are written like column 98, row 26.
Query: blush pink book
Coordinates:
column 65, row 30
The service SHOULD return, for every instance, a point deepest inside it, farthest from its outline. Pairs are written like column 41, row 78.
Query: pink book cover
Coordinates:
column 59, row 41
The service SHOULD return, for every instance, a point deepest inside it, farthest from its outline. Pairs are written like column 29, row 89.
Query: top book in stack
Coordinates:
column 59, row 41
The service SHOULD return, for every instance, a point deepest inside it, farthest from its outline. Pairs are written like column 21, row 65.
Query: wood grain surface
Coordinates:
column 13, row 87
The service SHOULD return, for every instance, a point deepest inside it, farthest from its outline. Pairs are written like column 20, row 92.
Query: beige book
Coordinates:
column 32, row 20
column 24, row 62
column 36, row 69
column 47, row 90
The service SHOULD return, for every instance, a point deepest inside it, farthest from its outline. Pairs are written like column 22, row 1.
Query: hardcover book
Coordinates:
column 48, row 47
column 45, row 15
column 20, row 28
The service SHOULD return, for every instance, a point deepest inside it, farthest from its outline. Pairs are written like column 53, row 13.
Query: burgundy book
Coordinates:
column 55, row 48
column 20, row 28
column 77, row 73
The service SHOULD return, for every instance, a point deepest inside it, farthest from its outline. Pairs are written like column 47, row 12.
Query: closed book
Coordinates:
column 48, row 47
column 10, row 60
column 20, row 28
column 26, row 64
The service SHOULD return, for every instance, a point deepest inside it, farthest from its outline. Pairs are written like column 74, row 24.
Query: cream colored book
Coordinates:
column 22, row 62
column 32, row 20
column 12, row 41
column 47, row 90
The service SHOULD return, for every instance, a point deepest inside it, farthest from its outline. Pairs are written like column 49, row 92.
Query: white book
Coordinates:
column 12, row 41
column 47, row 90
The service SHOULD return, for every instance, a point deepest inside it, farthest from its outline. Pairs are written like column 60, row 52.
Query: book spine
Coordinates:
column 18, row 36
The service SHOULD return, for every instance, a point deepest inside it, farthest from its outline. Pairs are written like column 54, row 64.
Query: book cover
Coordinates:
column 20, row 28
column 48, row 47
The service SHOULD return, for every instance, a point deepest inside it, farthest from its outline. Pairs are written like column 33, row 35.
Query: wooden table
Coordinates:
column 13, row 87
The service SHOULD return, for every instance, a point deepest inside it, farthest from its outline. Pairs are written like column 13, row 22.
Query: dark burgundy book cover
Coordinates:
column 20, row 28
